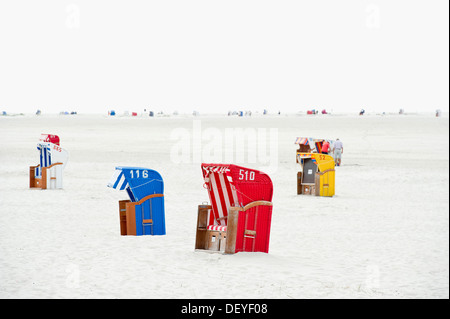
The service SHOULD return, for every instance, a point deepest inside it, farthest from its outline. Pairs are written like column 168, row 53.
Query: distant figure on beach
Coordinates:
column 438, row 113
column 338, row 149
column 362, row 112
column 325, row 147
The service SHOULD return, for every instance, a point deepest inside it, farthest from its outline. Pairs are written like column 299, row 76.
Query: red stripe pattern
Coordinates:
column 222, row 192
column 215, row 227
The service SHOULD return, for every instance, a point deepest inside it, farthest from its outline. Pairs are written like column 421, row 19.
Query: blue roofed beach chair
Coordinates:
column 143, row 213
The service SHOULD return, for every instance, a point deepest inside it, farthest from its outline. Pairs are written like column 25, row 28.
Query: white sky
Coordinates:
column 92, row 56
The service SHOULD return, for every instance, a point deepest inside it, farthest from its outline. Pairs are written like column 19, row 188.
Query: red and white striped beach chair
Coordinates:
column 240, row 213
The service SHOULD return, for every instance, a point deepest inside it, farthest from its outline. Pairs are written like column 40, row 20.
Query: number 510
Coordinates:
column 246, row 175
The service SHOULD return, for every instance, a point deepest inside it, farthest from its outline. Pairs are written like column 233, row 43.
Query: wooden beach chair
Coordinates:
column 310, row 145
column 240, row 211
column 48, row 174
column 317, row 174
column 143, row 213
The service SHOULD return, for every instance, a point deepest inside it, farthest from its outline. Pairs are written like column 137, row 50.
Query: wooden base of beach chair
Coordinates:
column 206, row 239
column 305, row 189
column 49, row 179
column 323, row 186
column 225, row 241
column 308, row 189
column 35, row 182
column 133, row 221
column 216, row 240
column 123, row 216
column 299, row 183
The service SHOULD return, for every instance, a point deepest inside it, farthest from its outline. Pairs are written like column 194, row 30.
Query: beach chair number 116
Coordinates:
column 144, row 174
column 246, row 175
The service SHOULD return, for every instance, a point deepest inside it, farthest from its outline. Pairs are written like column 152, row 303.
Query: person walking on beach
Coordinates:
column 338, row 149
column 325, row 147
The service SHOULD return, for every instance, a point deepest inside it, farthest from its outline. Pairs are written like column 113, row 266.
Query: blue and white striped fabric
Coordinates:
column 45, row 157
column 118, row 180
column 139, row 182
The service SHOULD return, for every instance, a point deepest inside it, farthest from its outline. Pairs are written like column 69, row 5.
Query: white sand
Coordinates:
column 383, row 235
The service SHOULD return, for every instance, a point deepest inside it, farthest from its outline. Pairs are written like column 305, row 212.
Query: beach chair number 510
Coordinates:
column 246, row 175
column 144, row 174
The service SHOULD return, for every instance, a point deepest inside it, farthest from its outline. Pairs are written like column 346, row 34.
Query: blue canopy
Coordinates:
column 139, row 182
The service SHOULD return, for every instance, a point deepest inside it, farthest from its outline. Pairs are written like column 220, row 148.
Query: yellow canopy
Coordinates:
column 323, row 161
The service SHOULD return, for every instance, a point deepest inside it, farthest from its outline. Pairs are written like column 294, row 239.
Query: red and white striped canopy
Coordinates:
column 232, row 186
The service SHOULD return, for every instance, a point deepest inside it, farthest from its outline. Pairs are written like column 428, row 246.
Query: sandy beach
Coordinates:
column 383, row 235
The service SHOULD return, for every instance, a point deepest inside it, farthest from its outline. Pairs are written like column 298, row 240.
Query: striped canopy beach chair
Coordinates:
column 310, row 145
column 143, row 213
column 305, row 144
column 240, row 211
column 52, row 160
